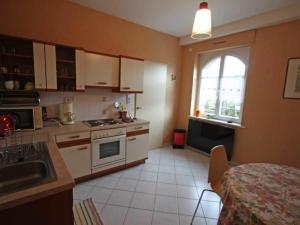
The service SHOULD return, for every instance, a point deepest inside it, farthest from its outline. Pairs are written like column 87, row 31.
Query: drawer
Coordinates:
column 72, row 137
column 138, row 127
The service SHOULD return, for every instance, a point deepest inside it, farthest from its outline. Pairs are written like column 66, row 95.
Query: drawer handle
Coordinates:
column 82, row 148
column 76, row 136
column 102, row 83
column 126, row 88
column 137, row 128
column 132, row 139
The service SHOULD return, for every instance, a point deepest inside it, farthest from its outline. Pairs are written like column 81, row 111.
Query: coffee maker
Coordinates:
column 66, row 114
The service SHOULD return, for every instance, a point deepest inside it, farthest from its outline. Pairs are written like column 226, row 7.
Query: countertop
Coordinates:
column 64, row 180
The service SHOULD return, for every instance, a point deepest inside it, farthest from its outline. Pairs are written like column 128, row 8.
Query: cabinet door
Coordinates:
column 132, row 75
column 101, row 70
column 50, row 58
column 77, row 159
column 80, row 70
column 136, row 148
column 39, row 66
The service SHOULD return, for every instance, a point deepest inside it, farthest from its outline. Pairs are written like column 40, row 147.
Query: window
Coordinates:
column 221, row 84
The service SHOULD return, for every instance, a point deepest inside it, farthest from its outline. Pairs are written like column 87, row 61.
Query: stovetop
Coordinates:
column 102, row 122
column 107, row 122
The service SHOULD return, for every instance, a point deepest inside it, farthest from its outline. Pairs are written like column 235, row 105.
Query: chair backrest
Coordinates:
column 218, row 164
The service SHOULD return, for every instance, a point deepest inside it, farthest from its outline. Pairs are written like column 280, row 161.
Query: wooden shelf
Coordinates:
column 17, row 55
column 65, row 61
column 18, row 74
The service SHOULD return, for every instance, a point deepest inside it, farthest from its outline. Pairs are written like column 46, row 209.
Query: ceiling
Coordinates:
column 176, row 17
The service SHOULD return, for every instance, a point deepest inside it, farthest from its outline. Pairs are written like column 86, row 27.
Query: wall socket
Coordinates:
column 68, row 99
column 104, row 98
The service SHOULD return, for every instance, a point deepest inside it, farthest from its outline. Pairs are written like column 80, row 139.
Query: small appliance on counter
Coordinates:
column 23, row 107
column 7, row 125
column 66, row 114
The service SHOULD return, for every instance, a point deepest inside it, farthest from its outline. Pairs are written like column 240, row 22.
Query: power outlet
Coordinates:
column 68, row 99
column 104, row 98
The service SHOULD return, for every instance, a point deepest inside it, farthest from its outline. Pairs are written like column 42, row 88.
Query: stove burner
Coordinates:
column 102, row 122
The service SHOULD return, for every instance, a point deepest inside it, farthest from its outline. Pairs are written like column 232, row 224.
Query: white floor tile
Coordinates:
column 166, row 178
column 143, row 201
column 187, row 206
column 166, row 169
column 150, row 168
column 148, row 176
column 131, row 174
column 146, row 187
column 208, row 195
column 117, row 174
column 187, row 192
column 201, row 182
column 121, row 198
column 211, row 221
column 165, row 219
column 100, row 195
column 166, row 204
column 170, row 182
column 182, row 163
column 106, row 182
column 167, row 161
column 99, row 207
column 81, row 192
column 210, row 209
column 138, row 217
column 126, row 184
column 166, row 189
column 113, row 215
column 185, row 180
column 154, row 161
column 186, row 220
column 183, row 170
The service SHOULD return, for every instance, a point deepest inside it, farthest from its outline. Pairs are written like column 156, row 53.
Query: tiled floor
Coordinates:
column 163, row 191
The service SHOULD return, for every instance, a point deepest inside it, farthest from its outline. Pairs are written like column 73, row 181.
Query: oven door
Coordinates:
column 108, row 150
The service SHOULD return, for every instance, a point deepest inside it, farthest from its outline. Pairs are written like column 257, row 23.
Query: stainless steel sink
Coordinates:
column 25, row 166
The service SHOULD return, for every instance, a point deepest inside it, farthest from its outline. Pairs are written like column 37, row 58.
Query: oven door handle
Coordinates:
column 109, row 139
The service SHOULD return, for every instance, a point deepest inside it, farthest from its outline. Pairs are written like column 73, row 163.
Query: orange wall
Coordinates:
column 272, row 124
column 63, row 22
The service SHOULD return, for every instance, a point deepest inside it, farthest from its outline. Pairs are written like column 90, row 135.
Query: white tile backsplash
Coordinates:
column 89, row 104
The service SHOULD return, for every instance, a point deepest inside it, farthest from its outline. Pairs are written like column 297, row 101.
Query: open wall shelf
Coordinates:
column 16, row 62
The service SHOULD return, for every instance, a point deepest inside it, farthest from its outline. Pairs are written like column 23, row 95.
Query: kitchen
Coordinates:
column 90, row 148
column 91, row 94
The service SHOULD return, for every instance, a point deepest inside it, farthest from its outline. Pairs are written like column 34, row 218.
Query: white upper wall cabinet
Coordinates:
column 50, row 58
column 80, row 70
column 131, row 75
column 101, row 70
column 39, row 66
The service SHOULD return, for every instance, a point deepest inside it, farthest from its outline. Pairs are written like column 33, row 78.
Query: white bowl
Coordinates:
column 9, row 84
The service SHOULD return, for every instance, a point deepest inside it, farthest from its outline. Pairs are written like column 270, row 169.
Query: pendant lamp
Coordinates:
column 202, row 22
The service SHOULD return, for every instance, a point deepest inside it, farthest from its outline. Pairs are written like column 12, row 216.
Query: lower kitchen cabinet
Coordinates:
column 137, row 147
column 77, row 159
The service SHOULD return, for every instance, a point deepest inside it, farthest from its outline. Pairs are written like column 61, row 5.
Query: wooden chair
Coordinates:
column 218, row 164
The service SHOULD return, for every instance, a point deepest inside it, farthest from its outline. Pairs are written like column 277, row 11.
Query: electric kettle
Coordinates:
column 7, row 125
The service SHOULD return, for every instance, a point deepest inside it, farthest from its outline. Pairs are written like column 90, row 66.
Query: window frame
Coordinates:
column 241, row 53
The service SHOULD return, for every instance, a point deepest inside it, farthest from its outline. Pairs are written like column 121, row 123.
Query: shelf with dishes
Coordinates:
column 16, row 64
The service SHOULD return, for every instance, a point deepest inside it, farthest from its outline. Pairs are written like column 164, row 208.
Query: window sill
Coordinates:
column 218, row 122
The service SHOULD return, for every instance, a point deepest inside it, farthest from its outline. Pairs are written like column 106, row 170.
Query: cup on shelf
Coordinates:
column 16, row 85
column 29, row 86
column 9, row 84
column 3, row 69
